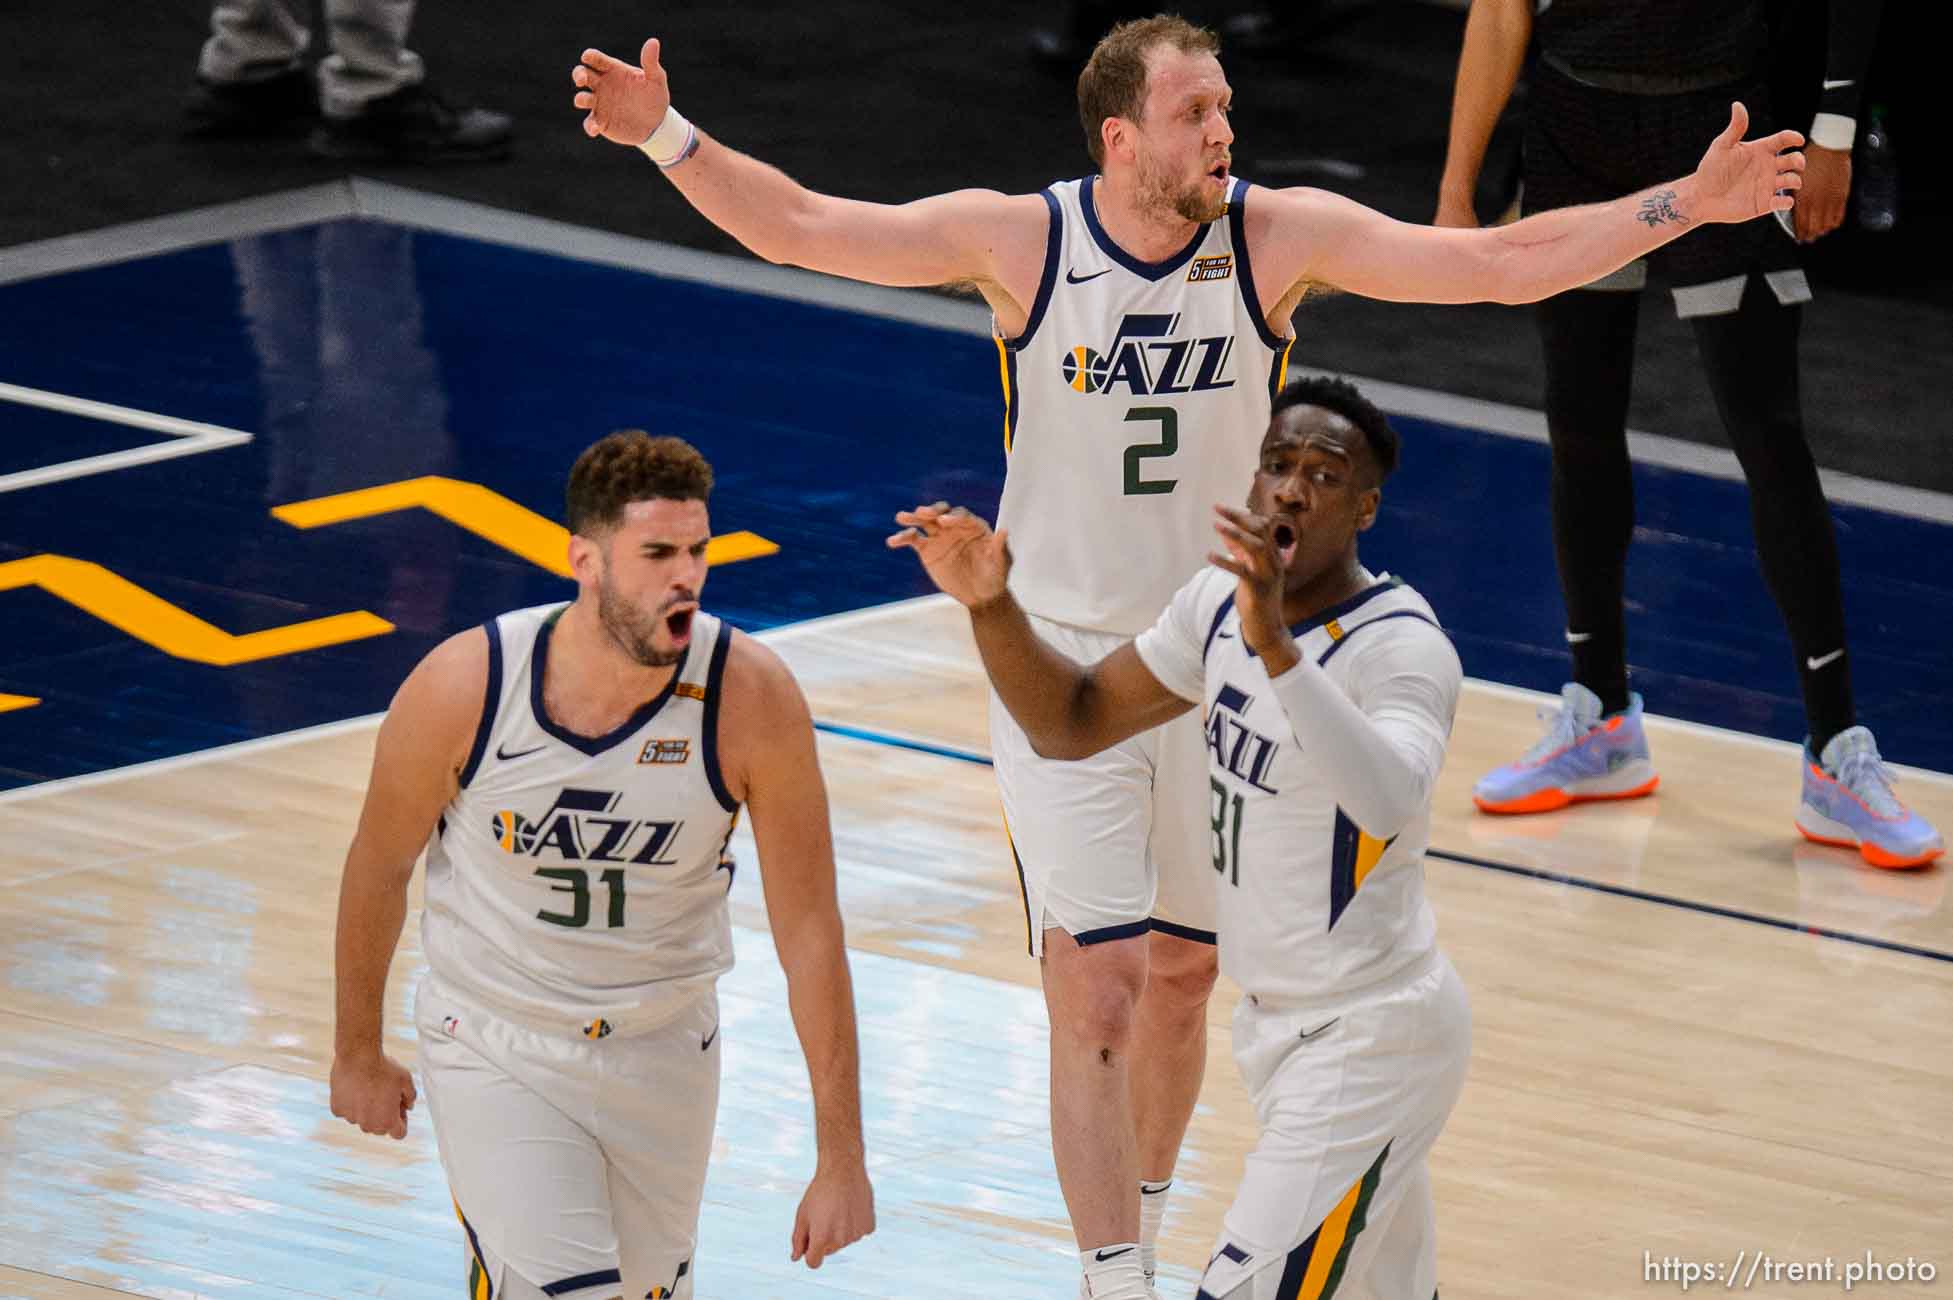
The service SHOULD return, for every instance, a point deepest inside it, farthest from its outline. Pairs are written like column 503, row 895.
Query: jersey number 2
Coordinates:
column 576, row 883
column 1169, row 443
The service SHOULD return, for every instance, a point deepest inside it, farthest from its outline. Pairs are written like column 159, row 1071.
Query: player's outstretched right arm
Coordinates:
column 417, row 762
column 1067, row 711
column 982, row 236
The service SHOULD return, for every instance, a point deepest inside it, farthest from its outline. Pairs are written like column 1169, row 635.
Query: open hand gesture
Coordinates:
column 622, row 103
column 962, row 556
column 1253, row 554
column 1739, row 179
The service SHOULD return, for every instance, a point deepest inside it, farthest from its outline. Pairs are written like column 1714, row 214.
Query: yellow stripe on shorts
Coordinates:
column 1315, row 1269
column 478, row 1286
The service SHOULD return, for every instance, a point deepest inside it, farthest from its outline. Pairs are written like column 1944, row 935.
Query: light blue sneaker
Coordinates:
column 1580, row 758
column 1848, row 800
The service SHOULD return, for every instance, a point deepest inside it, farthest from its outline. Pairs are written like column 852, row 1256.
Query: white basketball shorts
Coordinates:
column 576, row 1165
column 1111, row 846
column 1336, row 1196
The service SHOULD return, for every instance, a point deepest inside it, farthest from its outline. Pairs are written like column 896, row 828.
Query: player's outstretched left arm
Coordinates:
column 1067, row 710
column 1315, row 236
column 767, row 737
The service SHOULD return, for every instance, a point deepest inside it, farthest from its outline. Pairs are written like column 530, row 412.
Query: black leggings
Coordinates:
column 1751, row 359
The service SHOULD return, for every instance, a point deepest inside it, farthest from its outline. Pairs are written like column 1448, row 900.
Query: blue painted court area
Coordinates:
column 362, row 354
column 32, row 435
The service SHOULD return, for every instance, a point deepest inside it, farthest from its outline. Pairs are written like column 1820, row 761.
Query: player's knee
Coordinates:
column 1102, row 1018
column 1095, row 1001
column 1181, row 974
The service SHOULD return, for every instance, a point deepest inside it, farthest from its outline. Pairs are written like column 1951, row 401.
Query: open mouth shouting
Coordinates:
column 678, row 622
column 1285, row 537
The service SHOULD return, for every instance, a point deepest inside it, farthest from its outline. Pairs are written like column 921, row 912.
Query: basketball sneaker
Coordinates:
column 1582, row 756
column 1848, row 800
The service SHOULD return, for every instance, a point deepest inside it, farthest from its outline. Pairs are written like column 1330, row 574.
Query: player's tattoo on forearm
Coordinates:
column 1659, row 209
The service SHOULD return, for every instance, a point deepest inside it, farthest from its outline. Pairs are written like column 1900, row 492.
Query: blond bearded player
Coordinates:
column 1143, row 319
column 574, row 773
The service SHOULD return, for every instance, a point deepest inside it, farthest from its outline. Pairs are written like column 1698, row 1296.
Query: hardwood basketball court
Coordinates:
column 1649, row 1078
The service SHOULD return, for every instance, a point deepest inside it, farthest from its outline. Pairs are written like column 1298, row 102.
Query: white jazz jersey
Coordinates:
column 578, row 884
column 1313, row 911
column 1135, row 399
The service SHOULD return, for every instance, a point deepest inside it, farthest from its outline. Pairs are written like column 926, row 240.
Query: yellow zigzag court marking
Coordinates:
column 151, row 619
column 156, row 622
column 487, row 514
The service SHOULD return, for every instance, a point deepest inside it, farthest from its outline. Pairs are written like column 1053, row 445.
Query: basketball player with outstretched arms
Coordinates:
column 1142, row 320
column 1326, row 697
column 574, row 773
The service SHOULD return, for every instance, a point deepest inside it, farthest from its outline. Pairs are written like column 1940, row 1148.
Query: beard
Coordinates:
column 631, row 628
column 1189, row 202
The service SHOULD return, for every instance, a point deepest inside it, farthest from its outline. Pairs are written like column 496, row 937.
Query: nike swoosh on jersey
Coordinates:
column 1072, row 276
column 1819, row 661
column 504, row 755
column 1311, row 1033
column 708, row 1039
column 1837, row 85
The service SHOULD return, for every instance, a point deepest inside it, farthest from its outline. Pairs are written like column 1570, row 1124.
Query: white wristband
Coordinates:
column 1834, row 131
column 673, row 142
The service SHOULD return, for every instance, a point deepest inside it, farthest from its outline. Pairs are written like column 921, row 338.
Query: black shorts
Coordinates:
column 1587, row 145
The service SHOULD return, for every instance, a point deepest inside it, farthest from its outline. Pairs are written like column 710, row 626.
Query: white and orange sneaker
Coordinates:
column 1582, row 757
column 1848, row 800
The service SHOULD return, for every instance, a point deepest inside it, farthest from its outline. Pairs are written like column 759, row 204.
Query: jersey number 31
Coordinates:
column 576, row 883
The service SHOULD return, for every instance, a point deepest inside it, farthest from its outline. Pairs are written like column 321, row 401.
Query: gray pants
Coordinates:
column 369, row 56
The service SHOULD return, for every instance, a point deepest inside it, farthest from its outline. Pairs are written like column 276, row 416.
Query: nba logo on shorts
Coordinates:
column 450, row 1024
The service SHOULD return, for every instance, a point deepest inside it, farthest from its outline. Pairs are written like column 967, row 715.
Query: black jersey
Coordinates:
column 1689, row 44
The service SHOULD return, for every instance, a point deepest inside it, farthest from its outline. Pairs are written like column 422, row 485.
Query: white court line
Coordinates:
column 921, row 307
column 1643, row 448
column 377, row 200
column 189, row 437
column 829, row 623
column 176, row 232
column 240, row 748
column 1790, row 750
column 405, row 207
column 60, row 873
column 849, row 618
column 156, row 766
